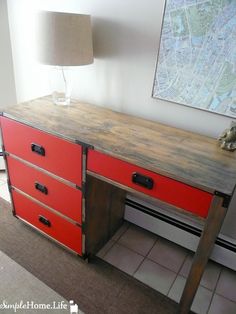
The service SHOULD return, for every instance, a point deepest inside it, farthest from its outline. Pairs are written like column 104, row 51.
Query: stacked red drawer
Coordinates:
column 53, row 225
column 49, row 152
column 31, row 152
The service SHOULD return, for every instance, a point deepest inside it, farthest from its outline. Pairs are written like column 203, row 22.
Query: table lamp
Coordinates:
column 65, row 40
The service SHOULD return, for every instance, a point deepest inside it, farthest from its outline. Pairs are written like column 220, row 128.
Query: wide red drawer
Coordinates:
column 55, row 226
column 165, row 189
column 46, row 189
column 56, row 155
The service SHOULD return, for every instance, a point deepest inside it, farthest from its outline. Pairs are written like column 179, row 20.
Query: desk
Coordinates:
column 79, row 162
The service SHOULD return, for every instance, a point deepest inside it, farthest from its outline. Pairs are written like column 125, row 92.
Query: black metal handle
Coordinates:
column 44, row 221
column 142, row 180
column 38, row 149
column 41, row 188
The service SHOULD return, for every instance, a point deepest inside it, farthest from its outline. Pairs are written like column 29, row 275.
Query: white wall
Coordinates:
column 7, row 84
column 126, row 38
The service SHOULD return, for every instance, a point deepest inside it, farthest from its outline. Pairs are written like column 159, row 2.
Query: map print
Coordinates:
column 197, row 56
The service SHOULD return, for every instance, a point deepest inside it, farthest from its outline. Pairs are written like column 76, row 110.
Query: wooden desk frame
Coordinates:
column 212, row 226
column 192, row 159
column 209, row 234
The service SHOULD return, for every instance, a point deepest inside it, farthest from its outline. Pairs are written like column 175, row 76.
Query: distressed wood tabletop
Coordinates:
column 188, row 157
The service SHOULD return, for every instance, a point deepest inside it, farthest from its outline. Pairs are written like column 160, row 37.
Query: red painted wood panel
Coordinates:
column 62, row 230
column 168, row 190
column 60, row 196
column 62, row 158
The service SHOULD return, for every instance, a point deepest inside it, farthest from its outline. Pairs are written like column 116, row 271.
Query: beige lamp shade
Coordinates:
column 64, row 39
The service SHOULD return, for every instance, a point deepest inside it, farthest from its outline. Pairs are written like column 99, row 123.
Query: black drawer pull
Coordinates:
column 142, row 180
column 40, row 187
column 38, row 149
column 44, row 221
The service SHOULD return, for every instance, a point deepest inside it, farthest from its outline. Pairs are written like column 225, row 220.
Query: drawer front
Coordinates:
column 61, row 197
column 46, row 151
column 158, row 186
column 55, row 226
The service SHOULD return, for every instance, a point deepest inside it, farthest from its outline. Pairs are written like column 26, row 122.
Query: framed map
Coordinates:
column 197, row 55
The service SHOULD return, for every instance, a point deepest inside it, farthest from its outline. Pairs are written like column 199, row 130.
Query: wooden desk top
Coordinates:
column 191, row 158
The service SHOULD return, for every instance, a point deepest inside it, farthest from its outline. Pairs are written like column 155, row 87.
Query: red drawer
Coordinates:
column 56, row 155
column 55, row 226
column 59, row 196
column 165, row 189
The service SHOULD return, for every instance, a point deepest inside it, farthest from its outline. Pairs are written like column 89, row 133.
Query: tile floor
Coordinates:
column 164, row 266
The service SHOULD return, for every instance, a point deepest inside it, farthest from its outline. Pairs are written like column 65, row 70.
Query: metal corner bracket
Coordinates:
column 226, row 198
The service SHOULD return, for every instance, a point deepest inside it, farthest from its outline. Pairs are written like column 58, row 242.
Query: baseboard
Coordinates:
column 177, row 230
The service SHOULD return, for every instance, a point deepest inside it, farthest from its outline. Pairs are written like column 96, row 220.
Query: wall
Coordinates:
column 7, row 84
column 126, row 38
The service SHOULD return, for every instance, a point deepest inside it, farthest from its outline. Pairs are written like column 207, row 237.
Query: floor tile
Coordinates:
column 168, row 254
column 226, row 285
column 210, row 276
column 155, row 276
column 138, row 239
column 105, row 248
column 221, row 305
column 123, row 258
column 4, row 192
column 120, row 231
column 201, row 301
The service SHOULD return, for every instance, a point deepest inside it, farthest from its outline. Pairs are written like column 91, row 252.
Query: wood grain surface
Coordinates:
column 191, row 158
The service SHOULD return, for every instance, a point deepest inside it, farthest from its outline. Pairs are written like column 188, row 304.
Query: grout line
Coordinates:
column 103, row 257
column 214, row 290
column 162, row 266
column 106, row 251
column 130, row 274
column 224, row 297
column 122, row 233
column 138, row 268
column 115, row 241
column 129, row 249
column 147, row 258
column 172, row 285
column 178, row 273
column 157, row 240
column 200, row 285
column 185, row 259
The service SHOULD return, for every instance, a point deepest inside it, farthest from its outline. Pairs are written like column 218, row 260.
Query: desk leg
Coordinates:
column 209, row 234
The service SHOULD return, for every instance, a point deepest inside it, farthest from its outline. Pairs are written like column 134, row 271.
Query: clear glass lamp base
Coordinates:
column 60, row 98
column 61, row 85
